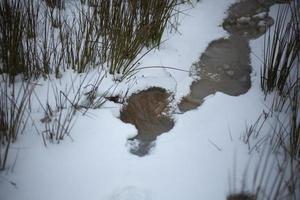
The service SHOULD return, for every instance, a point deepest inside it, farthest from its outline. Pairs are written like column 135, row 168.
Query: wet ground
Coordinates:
column 224, row 67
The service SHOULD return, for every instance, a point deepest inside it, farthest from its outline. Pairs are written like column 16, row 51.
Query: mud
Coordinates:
column 225, row 64
column 148, row 111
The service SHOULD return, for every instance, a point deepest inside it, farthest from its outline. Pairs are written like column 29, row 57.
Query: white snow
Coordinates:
column 195, row 160
column 244, row 20
column 261, row 15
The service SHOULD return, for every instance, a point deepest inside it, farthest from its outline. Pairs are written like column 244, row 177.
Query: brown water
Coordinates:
column 148, row 111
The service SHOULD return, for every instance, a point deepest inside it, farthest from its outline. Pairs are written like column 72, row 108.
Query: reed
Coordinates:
column 128, row 27
column 281, row 50
column 12, row 24
column 277, row 130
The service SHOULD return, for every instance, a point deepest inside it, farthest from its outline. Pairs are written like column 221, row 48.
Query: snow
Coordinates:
column 195, row 160
column 244, row 20
column 261, row 15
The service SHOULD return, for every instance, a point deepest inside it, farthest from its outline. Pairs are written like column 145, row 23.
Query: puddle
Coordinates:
column 148, row 111
column 225, row 67
column 225, row 64
column 249, row 18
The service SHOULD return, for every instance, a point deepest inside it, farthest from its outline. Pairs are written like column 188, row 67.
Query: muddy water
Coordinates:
column 148, row 111
column 224, row 66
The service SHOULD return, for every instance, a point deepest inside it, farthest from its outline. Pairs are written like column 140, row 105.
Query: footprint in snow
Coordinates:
column 131, row 193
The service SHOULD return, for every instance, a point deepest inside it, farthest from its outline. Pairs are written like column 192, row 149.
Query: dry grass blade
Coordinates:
column 14, row 102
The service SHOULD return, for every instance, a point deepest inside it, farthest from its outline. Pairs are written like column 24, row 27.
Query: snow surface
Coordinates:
column 202, row 157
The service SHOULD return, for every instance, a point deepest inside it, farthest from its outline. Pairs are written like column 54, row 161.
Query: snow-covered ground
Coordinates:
column 195, row 160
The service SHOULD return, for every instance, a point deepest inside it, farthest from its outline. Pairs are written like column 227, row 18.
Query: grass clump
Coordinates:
column 129, row 26
column 277, row 172
column 281, row 50
column 18, row 38
column 108, row 33
column 281, row 75
column 12, row 24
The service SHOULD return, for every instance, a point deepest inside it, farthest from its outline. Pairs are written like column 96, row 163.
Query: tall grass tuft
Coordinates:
column 81, row 40
column 109, row 33
column 129, row 26
column 281, row 50
column 281, row 74
column 277, row 173
column 18, row 38
column 12, row 25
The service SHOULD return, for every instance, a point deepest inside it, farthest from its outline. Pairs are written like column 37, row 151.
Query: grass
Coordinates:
column 69, row 100
column 82, row 40
column 270, row 175
column 14, row 113
column 55, row 4
column 130, row 26
column 19, row 39
column 109, row 33
column 281, row 73
column 281, row 50
column 277, row 173
column 100, row 34
column 12, row 24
